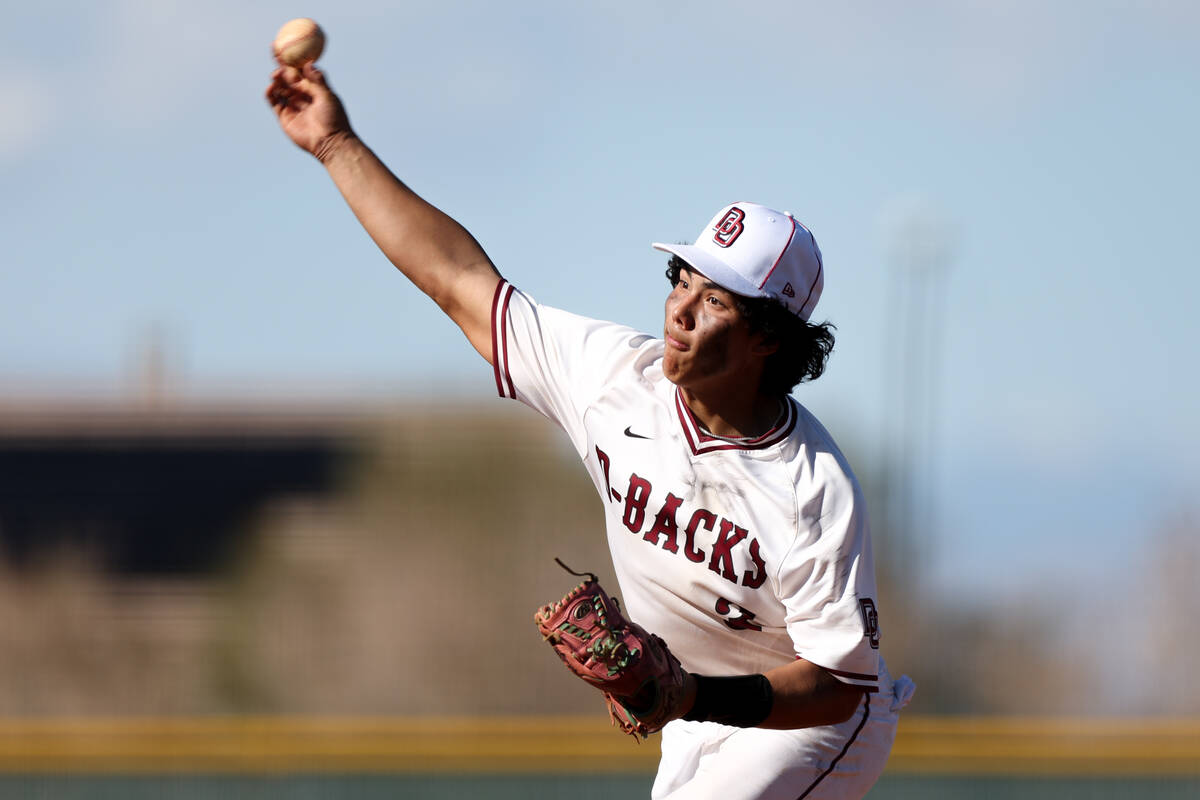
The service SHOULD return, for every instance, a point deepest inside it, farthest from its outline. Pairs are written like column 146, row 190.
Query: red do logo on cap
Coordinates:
column 730, row 227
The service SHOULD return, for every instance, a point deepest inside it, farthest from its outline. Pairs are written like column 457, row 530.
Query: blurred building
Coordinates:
column 161, row 488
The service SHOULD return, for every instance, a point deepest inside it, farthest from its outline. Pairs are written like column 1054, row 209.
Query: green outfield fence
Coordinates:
column 581, row 758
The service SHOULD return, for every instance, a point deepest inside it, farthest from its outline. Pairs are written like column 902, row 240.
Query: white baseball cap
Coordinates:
column 756, row 251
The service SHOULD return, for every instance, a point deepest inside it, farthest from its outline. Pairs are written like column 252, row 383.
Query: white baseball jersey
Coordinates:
column 740, row 554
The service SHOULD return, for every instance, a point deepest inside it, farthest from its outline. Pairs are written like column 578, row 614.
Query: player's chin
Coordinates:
column 671, row 367
column 677, row 373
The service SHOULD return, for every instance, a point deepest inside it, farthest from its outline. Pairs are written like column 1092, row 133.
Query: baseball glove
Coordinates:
column 641, row 680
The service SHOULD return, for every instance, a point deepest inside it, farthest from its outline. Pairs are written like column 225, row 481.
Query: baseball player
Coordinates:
column 737, row 530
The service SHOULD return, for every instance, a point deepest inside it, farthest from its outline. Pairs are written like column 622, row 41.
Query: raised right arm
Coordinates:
column 436, row 253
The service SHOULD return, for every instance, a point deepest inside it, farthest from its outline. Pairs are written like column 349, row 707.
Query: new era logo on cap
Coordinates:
column 756, row 251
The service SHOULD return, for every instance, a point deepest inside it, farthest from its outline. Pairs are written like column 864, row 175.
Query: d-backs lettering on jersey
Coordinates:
column 662, row 528
column 741, row 554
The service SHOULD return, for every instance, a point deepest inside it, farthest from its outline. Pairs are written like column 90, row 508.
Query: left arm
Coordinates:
column 806, row 695
column 803, row 695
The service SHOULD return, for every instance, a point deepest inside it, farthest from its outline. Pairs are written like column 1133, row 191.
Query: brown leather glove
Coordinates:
column 641, row 680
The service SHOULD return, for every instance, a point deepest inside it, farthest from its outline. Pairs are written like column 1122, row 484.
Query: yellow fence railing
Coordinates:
column 273, row 745
column 1101, row 746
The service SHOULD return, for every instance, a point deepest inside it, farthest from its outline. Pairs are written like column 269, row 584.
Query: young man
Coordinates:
column 737, row 529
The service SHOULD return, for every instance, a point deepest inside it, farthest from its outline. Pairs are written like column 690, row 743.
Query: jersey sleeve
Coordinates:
column 554, row 361
column 827, row 580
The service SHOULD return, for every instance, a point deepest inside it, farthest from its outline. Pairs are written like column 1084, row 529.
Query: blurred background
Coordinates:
column 247, row 472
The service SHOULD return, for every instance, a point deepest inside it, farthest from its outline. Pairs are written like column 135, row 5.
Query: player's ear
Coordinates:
column 763, row 345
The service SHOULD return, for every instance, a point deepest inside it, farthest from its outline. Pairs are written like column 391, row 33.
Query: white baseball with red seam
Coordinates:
column 299, row 42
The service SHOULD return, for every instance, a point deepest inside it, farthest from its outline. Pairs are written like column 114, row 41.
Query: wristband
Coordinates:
column 743, row 701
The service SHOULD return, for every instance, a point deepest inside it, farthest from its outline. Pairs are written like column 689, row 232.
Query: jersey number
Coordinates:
column 742, row 622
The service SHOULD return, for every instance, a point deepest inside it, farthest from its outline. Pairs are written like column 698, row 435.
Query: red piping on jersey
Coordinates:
column 701, row 442
column 504, row 384
column 496, row 340
column 780, row 257
column 512, row 392
column 857, row 676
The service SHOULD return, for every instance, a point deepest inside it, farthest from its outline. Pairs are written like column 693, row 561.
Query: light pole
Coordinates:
column 920, row 245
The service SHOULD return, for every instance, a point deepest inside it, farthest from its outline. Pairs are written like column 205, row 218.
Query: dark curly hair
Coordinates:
column 804, row 347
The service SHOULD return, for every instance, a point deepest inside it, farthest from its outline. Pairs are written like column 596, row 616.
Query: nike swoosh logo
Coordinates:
column 629, row 432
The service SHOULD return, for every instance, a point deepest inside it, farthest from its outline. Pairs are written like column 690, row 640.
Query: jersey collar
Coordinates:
column 701, row 441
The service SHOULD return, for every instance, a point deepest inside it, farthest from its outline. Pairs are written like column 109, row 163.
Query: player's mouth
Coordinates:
column 673, row 342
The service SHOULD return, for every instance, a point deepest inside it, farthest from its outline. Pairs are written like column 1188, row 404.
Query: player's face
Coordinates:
column 708, row 342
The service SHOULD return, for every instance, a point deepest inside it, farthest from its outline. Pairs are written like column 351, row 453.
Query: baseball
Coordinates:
column 298, row 42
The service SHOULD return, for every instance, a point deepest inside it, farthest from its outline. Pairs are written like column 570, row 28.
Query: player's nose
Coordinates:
column 682, row 312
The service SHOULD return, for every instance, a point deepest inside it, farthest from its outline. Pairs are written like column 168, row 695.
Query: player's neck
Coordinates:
column 733, row 416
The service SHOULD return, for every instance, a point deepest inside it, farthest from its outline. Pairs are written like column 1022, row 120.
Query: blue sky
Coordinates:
column 1050, row 147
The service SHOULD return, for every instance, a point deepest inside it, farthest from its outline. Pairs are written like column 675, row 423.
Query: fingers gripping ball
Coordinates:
column 641, row 679
column 299, row 42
